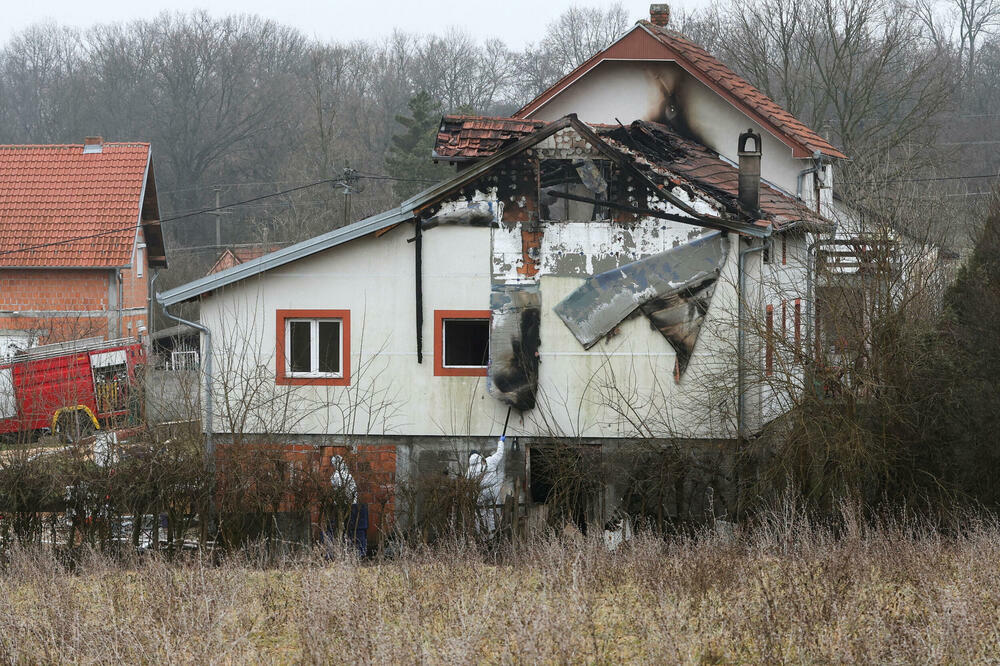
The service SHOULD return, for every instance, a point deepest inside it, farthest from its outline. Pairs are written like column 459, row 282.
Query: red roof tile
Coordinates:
column 469, row 137
column 51, row 194
column 702, row 61
column 651, row 42
column 682, row 162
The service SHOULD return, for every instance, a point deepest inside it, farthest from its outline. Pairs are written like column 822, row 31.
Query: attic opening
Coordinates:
column 576, row 179
column 466, row 343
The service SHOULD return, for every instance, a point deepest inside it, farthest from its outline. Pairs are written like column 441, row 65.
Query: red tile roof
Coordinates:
column 469, row 137
column 50, row 194
column 701, row 61
column 651, row 42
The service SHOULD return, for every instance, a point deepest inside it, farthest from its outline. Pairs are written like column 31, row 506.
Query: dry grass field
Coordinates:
column 780, row 592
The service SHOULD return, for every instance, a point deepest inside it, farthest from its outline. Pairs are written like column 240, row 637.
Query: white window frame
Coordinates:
column 314, row 372
column 444, row 342
column 140, row 259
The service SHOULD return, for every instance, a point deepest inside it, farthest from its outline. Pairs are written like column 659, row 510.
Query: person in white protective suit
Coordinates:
column 356, row 529
column 490, row 472
column 341, row 478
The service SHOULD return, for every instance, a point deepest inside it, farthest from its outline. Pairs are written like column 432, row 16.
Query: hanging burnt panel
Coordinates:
column 514, row 342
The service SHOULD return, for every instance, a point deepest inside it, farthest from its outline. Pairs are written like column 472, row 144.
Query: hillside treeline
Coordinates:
column 240, row 106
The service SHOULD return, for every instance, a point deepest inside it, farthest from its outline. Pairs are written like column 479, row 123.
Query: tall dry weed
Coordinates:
column 783, row 589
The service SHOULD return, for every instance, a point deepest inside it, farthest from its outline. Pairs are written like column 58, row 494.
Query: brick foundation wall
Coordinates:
column 372, row 466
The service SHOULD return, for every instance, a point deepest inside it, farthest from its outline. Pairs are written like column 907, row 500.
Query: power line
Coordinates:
column 917, row 180
column 108, row 232
column 214, row 209
column 202, row 211
column 369, row 176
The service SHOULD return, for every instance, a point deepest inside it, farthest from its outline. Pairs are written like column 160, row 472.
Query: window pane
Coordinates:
column 329, row 346
column 466, row 342
column 298, row 346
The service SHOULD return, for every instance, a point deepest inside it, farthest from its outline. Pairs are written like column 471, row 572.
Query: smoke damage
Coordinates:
column 514, row 340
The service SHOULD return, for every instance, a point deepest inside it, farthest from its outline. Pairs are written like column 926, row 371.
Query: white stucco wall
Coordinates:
column 657, row 91
column 391, row 393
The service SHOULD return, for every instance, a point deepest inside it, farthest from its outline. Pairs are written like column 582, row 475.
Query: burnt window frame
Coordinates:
column 599, row 213
column 442, row 370
column 283, row 373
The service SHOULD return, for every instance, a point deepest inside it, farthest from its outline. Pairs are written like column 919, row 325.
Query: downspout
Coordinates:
column 418, row 257
column 121, row 301
column 206, row 354
column 741, row 342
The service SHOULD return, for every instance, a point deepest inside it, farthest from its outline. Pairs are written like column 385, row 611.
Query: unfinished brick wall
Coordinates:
column 66, row 300
column 70, row 304
column 134, row 295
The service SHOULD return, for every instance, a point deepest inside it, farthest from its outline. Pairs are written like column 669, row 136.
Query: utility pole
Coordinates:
column 350, row 184
column 218, row 213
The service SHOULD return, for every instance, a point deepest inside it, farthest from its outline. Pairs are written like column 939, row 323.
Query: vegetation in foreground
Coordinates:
column 781, row 591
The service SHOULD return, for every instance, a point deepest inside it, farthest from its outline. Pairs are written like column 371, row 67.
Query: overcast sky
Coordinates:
column 517, row 22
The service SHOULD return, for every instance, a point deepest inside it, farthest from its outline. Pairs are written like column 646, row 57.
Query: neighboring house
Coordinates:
column 578, row 280
column 79, row 231
column 234, row 256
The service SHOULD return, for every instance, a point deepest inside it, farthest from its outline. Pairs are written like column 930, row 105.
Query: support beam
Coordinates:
column 703, row 221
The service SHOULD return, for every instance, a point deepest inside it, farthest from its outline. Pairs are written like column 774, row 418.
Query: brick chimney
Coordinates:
column 659, row 15
column 93, row 144
column 749, row 180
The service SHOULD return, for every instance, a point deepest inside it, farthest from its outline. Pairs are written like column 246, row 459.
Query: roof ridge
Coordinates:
column 54, row 146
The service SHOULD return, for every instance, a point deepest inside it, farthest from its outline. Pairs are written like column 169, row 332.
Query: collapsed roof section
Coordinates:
column 665, row 156
column 682, row 162
column 687, row 182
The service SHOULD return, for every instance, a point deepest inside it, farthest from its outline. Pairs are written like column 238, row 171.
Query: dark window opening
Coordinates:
column 568, row 480
column 769, row 351
column 466, row 342
column 329, row 346
column 580, row 178
column 300, row 352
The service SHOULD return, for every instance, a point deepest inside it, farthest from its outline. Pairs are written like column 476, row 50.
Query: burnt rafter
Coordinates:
column 718, row 224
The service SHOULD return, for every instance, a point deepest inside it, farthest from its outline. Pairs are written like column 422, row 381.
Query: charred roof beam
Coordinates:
column 708, row 221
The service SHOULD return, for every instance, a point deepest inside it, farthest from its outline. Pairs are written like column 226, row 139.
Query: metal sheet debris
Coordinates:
column 673, row 288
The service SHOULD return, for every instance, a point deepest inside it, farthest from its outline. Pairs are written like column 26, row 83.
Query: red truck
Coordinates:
column 84, row 382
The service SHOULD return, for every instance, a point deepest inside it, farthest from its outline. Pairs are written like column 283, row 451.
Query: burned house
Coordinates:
column 579, row 283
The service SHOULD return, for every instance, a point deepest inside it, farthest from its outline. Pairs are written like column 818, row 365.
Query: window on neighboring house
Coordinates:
column 313, row 347
column 767, row 252
column 140, row 260
column 461, row 342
